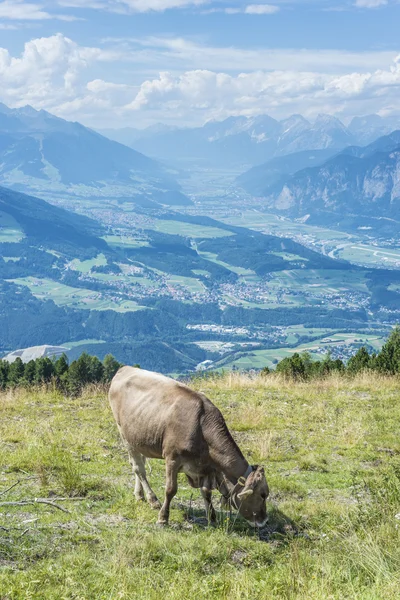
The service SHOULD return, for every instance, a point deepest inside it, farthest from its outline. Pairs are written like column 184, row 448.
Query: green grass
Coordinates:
column 65, row 295
column 257, row 359
column 10, row 230
column 370, row 255
column 85, row 266
column 190, row 230
column 82, row 343
column 331, row 450
column 213, row 258
column 118, row 241
column 190, row 283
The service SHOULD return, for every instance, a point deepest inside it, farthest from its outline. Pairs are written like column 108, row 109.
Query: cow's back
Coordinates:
column 155, row 413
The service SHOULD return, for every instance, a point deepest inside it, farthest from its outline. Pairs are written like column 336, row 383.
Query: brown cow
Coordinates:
column 159, row 417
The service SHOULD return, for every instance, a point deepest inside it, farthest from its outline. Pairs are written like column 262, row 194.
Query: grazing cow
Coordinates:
column 161, row 418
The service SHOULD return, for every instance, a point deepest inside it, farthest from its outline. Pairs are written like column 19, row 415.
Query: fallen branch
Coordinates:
column 10, row 488
column 66, row 499
column 24, row 532
column 34, row 501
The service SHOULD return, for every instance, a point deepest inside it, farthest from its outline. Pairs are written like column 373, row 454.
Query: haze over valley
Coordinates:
column 228, row 246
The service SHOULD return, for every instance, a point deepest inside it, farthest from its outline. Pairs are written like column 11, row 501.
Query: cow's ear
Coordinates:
column 245, row 493
column 261, row 471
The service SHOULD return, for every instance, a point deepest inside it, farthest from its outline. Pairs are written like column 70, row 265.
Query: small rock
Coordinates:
column 238, row 557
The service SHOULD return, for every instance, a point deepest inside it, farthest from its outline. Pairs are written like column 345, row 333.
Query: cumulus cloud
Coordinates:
column 250, row 9
column 77, row 82
column 48, row 72
column 261, row 9
column 140, row 6
column 17, row 10
column 370, row 3
column 217, row 95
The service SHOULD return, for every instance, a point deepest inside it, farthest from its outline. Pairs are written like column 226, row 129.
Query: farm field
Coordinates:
column 277, row 225
column 321, row 280
column 82, row 343
column 85, row 266
column 213, row 258
column 120, row 241
column 189, row 230
column 353, row 247
column 258, row 359
column 10, row 231
column 65, row 295
column 369, row 255
column 331, row 452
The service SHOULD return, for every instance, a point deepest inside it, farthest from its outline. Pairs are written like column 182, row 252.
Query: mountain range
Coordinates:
column 362, row 181
column 42, row 154
column 252, row 140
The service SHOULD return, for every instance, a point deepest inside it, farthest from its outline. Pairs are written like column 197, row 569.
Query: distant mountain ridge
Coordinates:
column 253, row 140
column 362, row 181
column 43, row 153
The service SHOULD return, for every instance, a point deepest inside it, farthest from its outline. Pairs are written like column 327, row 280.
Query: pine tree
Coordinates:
column 44, row 370
column 16, row 372
column 96, row 370
column 61, row 366
column 293, row 367
column 388, row 360
column 111, row 366
column 4, row 369
column 79, row 373
column 30, row 371
column 359, row 361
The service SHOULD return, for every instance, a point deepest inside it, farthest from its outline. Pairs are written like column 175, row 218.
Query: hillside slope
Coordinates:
column 40, row 153
column 47, row 225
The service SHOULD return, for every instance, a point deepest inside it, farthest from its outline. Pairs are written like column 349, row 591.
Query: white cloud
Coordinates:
column 139, row 6
column 80, row 83
column 180, row 53
column 217, row 95
column 48, row 72
column 17, row 10
column 370, row 3
column 251, row 9
column 261, row 9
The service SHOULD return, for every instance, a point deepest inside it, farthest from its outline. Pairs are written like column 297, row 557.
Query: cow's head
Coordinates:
column 249, row 496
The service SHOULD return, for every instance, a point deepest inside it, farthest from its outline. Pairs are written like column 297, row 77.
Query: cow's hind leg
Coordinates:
column 138, row 463
column 139, row 493
column 207, row 497
column 172, row 467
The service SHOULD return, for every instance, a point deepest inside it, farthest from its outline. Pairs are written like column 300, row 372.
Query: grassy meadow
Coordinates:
column 331, row 449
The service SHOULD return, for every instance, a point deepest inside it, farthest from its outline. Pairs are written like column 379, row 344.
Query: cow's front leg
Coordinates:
column 138, row 462
column 171, row 487
column 207, row 497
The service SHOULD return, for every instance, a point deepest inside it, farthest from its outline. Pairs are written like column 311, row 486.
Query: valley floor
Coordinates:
column 332, row 455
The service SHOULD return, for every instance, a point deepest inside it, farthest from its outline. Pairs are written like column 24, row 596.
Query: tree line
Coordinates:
column 71, row 377
column 385, row 362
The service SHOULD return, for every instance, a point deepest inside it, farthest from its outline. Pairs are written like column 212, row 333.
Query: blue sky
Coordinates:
column 117, row 63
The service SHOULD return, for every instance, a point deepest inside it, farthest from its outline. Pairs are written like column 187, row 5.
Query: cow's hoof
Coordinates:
column 162, row 523
column 140, row 498
column 156, row 504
